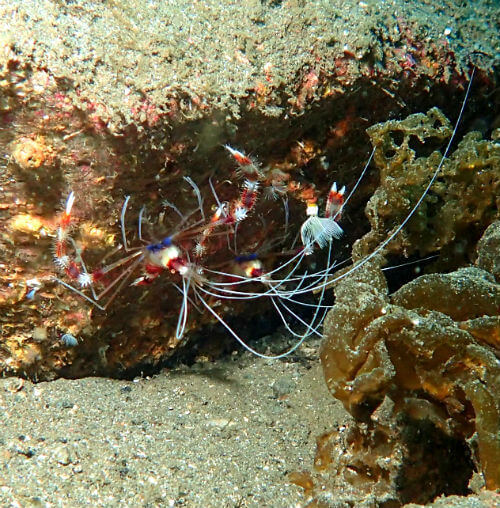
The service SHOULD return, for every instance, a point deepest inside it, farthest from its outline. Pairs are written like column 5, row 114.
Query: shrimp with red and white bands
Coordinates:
column 202, row 256
column 206, row 260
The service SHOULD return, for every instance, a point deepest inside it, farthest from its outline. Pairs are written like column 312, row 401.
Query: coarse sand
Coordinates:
column 213, row 434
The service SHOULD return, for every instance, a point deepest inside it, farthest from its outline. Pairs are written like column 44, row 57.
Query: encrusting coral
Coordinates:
column 432, row 349
column 488, row 251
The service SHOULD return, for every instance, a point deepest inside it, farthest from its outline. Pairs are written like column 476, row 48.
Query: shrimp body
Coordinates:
column 167, row 256
column 321, row 230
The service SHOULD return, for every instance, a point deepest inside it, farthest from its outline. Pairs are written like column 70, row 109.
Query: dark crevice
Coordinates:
column 435, row 464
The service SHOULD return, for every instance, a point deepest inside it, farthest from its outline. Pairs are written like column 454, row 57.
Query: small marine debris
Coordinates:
column 32, row 286
column 39, row 333
column 15, row 384
column 69, row 340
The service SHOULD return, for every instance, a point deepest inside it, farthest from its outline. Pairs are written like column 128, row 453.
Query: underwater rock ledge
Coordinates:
column 107, row 120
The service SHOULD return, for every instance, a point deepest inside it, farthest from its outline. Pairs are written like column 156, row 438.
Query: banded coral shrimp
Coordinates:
column 201, row 252
column 208, row 265
column 291, row 295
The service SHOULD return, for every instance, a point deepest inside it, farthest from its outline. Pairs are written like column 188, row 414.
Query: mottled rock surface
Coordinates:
column 114, row 99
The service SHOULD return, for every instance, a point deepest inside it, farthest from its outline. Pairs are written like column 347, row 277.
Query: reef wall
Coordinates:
column 80, row 111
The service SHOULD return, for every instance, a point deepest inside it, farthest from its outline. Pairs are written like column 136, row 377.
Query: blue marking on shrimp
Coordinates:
column 155, row 247
column 246, row 257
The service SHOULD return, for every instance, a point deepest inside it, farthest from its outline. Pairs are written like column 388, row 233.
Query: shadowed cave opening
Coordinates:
column 435, row 463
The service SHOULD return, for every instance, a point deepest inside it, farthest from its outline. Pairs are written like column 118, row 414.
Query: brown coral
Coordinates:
column 430, row 351
column 463, row 201
column 419, row 369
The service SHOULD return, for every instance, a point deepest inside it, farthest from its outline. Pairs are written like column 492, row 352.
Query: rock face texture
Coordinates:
column 126, row 99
